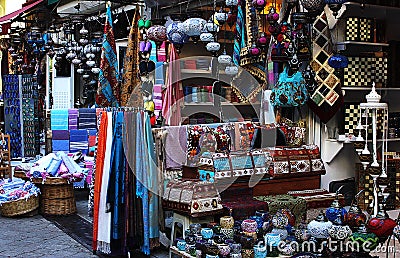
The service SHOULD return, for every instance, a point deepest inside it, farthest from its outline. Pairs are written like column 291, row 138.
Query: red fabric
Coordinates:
column 173, row 95
column 101, row 149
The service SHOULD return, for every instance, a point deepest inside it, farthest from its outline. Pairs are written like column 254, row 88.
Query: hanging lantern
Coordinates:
column 71, row 55
column 272, row 16
column 231, row 69
column 76, row 61
column 193, row 27
column 255, row 51
column 83, row 31
column 224, row 58
column 158, row 34
column 211, row 27
column 85, row 76
column 301, row 233
column 213, row 47
column 220, row 17
column 90, row 63
column 95, row 70
column 231, row 2
column 262, row 40
column 206, row 37
column 176, row 35
column 313, row 6
column 259, row 4
column 338, row 61
column 335, row 5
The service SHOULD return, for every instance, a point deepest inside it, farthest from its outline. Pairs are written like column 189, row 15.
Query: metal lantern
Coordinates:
column 206, row 37
column 381, row 225
column 335, row 213
column 157, row 33
column 193, row 27
column 335, row 5
column 213, row 47
column 83, row 31
column 355, row 217
column 231, row 2
column 262, row 40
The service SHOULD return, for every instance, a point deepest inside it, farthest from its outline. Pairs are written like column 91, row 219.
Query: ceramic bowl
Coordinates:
column 211, row 249
column 236, row 248
column 227, row 232
column 195, row 228
column 219, row 238
column 259, row 221
column 263, row 214
column 207, row 233
column 272, row 239
column 217, row 229
column 249, row 225
column 227, row 222
column 181, row 245
column 224, row 250
column 280, row 220
column 190, row 239
column 260, row 251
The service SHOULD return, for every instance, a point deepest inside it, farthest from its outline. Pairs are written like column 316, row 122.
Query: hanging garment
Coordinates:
column 104, row 229
column 173, row 95
column 327, row 99
column 101, row 149
column 108, row 93
column 117, row 175
column 162, row 53
column 130, row 80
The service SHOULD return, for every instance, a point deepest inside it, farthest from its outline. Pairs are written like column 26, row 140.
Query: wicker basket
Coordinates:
column 19, row 207
column 57, row 199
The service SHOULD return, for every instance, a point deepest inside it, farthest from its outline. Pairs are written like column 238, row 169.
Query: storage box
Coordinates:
column 193, row 197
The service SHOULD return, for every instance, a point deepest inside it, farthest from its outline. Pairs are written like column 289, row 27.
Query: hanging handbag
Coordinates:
column 289, row 91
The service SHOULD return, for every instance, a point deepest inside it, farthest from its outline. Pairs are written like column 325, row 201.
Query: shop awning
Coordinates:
column 6, row 20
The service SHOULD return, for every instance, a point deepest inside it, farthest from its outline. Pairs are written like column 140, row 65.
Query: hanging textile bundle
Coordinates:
column 108, row 93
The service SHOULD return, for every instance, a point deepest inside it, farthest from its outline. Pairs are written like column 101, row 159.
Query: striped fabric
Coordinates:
column 73, row 115
column 87, row 118
column 79, row 141
column 239, row 39
column 108, row 93
column 59, row 119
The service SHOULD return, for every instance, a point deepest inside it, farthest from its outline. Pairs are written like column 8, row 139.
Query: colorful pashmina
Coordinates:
column 130, row 88
column 108, row 93
column 101, row 149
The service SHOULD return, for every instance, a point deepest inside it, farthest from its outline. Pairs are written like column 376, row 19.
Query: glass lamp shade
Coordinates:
column 76, row 61
column 262, row 40
column 338, row 61
column 157, row 33
column 231, row 69
column 193, row 26
column 85, row 76
column 83, row 31
column 83, row 41
column 220, row 17
column 206, row 37
column 90, row 63
column 95, row 70
column 231, row 2
column 340, row 232
column 272, row 16
column 224, row 58
column 259, row 4
column 213, row 47
column 71, row 55
column 176, row 34
column 80, row 71
column 319, row 228
column 382, row 227
column 362, row 238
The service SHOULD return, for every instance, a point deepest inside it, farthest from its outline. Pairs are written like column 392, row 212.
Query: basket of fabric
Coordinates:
column 20, row 206
column 18, row 197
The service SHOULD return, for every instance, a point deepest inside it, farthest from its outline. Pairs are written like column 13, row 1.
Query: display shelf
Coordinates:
column 355, row 88
column 358, row 47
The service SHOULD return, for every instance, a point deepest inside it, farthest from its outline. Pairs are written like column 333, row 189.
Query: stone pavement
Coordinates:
column 37, row 237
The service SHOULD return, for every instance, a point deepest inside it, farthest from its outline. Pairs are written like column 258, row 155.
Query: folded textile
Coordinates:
column 81, row 132
column 60, row 145
column 60, row 135
column 54, row 166
column 72, row 127
column 87, row 115
column 68, row 162
column 92, row 132
column 73, row 111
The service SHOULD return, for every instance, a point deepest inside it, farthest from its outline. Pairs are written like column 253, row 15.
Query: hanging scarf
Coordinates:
column 153, row 186
column 101, row 149
column 130, row 80
column 117, row 175
column 239, row 39
column 104, row 230
column 108, row 93
column 173, row 95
